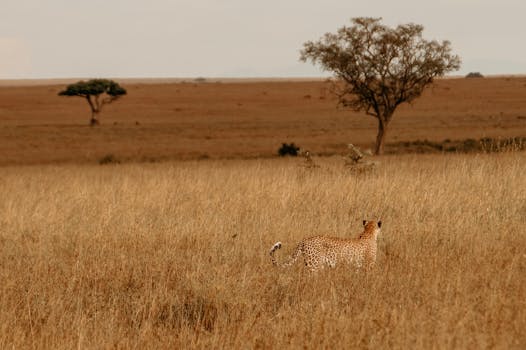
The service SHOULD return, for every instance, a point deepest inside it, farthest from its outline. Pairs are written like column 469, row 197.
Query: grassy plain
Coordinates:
column 165, row 120
column 175, row 255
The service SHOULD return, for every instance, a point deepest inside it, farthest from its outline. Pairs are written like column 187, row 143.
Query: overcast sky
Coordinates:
column 234, row 38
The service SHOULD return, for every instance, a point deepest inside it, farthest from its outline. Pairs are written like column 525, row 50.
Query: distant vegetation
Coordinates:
column 378, row 68
column 98, row 92
column 288, row 150
column 483, row 145
column 474, row 75
column 109, row 159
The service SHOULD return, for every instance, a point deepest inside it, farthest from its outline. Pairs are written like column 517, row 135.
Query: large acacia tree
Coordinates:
column 377, row 67
column 98, row 92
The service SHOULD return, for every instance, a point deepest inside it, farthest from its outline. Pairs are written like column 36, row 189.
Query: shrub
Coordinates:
column 474, row 75
column 288, row 150
column 109, row 159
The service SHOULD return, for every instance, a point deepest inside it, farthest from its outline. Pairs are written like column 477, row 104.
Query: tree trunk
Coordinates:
column 94, row 120
column 94, row 112
column 380, row 137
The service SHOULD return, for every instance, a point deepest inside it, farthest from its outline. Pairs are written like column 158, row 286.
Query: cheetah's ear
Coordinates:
column 379, row 224
column 364, row 222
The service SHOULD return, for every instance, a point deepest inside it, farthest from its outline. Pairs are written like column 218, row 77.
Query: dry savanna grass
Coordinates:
column 175, row 255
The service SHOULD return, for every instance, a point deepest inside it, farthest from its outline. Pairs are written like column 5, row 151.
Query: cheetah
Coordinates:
column 319, row 251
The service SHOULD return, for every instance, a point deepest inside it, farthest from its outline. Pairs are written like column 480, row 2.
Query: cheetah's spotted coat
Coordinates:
column 319, row 251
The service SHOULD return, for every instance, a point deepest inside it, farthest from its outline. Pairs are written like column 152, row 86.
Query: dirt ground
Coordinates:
column 199, row 119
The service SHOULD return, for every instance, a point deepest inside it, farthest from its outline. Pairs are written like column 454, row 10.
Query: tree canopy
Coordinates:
column 92, row 90
column 379, row 67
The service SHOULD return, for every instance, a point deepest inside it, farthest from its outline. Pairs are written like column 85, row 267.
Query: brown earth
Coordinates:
column 177, row 119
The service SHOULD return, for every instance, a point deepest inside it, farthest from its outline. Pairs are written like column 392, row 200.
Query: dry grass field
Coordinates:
column 167, row 120
column 174, row 255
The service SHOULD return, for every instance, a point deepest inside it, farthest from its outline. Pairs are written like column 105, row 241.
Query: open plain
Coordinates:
column 192, row 119
column 156, row 252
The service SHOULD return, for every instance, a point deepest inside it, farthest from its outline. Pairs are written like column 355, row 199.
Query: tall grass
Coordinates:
column 176, row 255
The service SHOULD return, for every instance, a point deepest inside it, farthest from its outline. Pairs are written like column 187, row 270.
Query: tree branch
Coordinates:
column 93, row 109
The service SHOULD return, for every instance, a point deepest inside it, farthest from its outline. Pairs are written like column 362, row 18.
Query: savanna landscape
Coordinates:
column 166, row 245
column 218, row 119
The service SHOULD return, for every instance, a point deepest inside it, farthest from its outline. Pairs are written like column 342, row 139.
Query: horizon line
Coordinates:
column 5, row 82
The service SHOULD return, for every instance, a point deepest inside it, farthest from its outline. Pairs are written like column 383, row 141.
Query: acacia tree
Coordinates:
column 98, row 92
column 377, row 68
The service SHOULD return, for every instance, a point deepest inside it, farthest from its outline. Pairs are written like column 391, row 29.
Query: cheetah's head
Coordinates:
column 371, row 226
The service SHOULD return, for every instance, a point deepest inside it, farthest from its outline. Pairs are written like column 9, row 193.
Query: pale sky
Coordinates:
column 234, row 38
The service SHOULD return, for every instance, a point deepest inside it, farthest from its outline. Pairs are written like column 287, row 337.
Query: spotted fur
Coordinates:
column 320, row 251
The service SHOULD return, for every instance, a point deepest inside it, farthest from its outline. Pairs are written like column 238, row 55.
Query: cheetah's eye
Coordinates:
column 379, row 224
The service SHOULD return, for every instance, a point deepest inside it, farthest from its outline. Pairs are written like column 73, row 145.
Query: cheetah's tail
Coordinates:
column 291, row 260
column 275, row 247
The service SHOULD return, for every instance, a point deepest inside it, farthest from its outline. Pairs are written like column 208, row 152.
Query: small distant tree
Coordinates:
column 98, row 92
column 377, row 68
column 474, row 75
